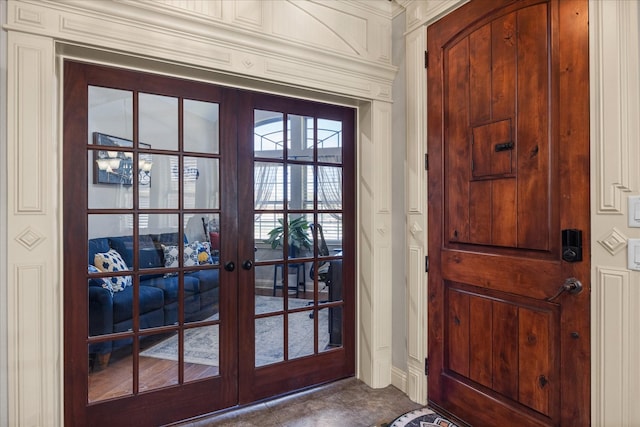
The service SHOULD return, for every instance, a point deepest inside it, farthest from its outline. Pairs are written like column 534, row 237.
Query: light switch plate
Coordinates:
column 633, row 254
column 634, row 211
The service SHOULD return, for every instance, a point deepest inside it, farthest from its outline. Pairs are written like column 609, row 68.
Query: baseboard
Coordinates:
column 399, row 379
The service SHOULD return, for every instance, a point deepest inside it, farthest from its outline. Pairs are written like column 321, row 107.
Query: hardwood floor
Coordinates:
column 116, row 378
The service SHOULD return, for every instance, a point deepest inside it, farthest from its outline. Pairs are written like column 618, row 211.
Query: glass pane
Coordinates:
column 330, row 323
column 158, row 186
column 205, row 230
column 158, row 121
column 265, row 280
column 201, row 126
column 300, row 299
column 108, row 188
column 145, row 163
column 269, row 340
column 268, row 134
column 300, row 140
column 201, row 186
column 268, row 188
column 157, row 354
column 329, row 141
column 109, row 376
column 110, row 112
column 329, row 188
column 269, row 235
column 102, row 229
column 268, row 304
column 300, row 237
column 330, row 234
column 201, row 295
column 201, row 352
column 301, row 334
column 300, row 187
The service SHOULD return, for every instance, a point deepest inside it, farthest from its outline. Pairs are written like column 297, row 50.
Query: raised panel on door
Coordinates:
column 501, row 338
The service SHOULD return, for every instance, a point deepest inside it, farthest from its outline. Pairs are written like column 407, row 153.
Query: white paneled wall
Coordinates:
column 615, row 155
column 337, row 51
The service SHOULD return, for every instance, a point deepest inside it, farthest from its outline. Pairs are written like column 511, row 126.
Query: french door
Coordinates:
column 219, row 246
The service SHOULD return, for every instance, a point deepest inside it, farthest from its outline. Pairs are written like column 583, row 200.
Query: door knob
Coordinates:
column 230, row 266
column 247, row 264
column 571, row 285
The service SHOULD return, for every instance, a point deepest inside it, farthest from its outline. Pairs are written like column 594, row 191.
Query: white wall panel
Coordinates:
column 615, row 152
column 33, row 306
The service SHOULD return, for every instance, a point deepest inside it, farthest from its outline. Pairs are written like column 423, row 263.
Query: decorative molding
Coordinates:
column 616, row 342
column 399, row 379
column 614, row 241
column 29, row 238
column 381, row 112
column 415, row 46
column 29, row 69
column 349, row 44
column 615, row 129
column 423, row 12
column 416, row 230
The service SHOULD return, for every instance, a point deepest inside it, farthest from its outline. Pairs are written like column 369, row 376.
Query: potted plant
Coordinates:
column 298, row 235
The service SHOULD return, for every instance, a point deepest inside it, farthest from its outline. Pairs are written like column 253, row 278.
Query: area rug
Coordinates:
column 423, row 417
column 201, row 345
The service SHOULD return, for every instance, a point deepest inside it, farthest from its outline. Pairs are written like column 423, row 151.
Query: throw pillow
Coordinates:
column 98, row 281
column 189, row 258
column 204, row 254
column 111, row 262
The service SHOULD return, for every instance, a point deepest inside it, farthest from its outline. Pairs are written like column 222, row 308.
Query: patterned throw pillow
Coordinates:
column 204, row 254
column 190, row 257
column 110, row 262
column 98, row 281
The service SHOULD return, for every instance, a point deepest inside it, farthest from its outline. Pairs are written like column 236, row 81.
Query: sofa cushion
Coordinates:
column 150, row 256
column 150, row 299
column 111, row 261
column 208, row 279
column 169, row 285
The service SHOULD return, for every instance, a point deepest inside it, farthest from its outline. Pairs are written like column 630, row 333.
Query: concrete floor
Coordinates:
column 345, row 403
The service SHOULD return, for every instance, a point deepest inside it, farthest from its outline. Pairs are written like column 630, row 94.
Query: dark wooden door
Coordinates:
column 303, row 295
column 508, row 141
column 175, row 303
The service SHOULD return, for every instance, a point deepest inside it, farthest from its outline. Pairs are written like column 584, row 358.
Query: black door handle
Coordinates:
column 247, row 264
column 230, row 266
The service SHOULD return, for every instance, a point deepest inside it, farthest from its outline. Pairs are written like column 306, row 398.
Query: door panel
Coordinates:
column 302, row 299
column 502, row 138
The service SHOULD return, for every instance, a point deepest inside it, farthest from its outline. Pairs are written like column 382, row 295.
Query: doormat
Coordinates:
column 423, row 417
column 201, row 345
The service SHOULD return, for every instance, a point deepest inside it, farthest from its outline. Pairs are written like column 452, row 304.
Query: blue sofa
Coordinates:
column 158, row 293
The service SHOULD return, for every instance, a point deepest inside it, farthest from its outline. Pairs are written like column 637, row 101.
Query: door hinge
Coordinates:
column 426, row 264
column 426, row 366
column 426, row 59
column 426, row 161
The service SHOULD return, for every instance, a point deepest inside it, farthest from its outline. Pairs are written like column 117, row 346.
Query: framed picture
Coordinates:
column 114, row 166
